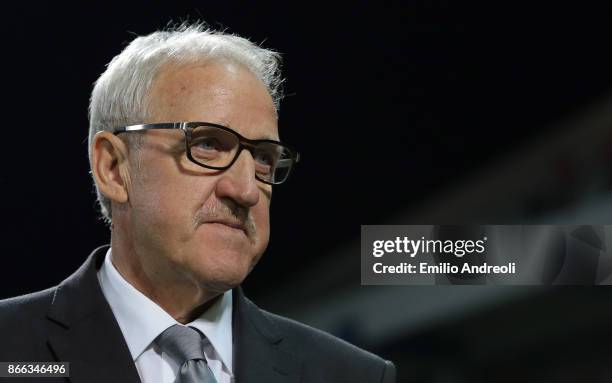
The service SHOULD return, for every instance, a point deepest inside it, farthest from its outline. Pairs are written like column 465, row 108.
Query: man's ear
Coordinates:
column 108, row 156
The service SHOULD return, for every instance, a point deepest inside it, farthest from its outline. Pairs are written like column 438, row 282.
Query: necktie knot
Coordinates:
column 185, row 345
column 181, row 343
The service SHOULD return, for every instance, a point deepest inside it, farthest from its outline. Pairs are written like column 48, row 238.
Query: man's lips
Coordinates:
column 234, row 224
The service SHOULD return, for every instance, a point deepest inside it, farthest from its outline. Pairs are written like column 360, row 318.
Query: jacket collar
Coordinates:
column 84, row 332
column 83, row 329
column 258, row 352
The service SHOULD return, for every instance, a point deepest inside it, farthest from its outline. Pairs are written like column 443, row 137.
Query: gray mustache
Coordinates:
column 227, row 210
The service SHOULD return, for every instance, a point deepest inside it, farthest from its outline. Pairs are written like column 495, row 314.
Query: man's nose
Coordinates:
column 239, row 183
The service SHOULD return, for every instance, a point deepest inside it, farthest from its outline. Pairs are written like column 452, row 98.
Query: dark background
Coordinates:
column 414, row 113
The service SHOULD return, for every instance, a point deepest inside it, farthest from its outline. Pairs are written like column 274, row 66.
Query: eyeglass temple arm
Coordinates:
column 134, row 128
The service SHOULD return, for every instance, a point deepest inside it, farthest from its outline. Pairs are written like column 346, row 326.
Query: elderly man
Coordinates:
column 184, row 150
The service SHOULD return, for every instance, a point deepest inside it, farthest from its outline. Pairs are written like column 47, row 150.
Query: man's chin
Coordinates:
column 223, row 277
column 221, row 285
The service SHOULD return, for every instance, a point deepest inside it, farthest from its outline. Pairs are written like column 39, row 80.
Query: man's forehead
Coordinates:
column 214, row 78
column 219, row 92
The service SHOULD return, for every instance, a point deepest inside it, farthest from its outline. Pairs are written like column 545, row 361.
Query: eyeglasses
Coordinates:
column 217, row 147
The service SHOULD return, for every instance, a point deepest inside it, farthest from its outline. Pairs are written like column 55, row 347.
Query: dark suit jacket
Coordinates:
column 74, row 323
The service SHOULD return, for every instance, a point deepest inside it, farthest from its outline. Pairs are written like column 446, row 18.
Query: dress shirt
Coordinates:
column 141, row 320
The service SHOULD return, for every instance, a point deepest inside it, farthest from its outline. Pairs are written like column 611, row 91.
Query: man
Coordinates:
column 184, row 150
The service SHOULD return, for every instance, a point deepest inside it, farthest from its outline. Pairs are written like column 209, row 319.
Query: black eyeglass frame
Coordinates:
column 243, row 142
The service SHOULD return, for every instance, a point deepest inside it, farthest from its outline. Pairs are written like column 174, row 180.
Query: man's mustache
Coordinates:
column 227, row 210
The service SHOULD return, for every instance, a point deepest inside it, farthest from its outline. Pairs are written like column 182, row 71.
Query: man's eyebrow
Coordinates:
column 227, row 124
column 267, row 137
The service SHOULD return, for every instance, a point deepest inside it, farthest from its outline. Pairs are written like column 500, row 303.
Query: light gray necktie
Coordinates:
column 184, row 345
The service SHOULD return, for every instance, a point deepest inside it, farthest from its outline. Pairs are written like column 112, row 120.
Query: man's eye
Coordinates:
column 208, row 144
column 264, row 159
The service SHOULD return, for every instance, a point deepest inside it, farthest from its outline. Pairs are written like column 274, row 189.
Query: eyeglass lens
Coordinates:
column 217, row 147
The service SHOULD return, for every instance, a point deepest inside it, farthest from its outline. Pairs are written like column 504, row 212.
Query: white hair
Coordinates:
column 120, row 95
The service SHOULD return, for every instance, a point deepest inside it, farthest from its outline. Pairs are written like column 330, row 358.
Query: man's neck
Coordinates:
column 182, row 299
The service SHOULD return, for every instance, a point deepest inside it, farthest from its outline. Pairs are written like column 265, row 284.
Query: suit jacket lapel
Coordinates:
column 258, row 356
column 84, row 331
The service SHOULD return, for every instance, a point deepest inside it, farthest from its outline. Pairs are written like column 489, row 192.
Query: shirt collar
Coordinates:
column 216, row 324
column 141, row 320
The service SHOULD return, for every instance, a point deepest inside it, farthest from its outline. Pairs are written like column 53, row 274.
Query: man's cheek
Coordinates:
column 263, row 233
column 261, row 217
